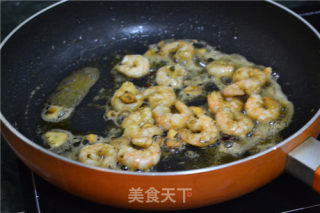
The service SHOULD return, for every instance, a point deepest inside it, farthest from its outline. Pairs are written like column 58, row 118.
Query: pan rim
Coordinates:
column 187, row 172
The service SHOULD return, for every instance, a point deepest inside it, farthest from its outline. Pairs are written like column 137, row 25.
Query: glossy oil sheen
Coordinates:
column 41, row 54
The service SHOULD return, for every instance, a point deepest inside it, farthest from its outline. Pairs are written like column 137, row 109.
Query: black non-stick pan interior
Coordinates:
column 76, row 34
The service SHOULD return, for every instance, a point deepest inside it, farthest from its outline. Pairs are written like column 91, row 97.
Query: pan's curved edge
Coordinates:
column 38, row 147
column 27, row 20
column 296, row 15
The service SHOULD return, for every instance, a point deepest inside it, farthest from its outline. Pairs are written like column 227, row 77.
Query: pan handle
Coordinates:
column 304, row 163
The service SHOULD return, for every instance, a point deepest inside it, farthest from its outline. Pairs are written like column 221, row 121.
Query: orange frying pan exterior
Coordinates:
column 316, row 180
column 159, row 191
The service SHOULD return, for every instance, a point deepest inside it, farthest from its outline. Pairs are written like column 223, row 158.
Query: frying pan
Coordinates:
column 69, row 35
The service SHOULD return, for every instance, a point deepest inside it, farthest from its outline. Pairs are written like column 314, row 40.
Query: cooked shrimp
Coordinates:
column 249, row 86
column 247, row 81
column 160, row 95
column 142, row 141
column 232, row 90
column 100, row 154
column 172, row 76
column 168, row 120
column 220, row 69
column 182, row 50
column 233, row 123
column 216, row 102
column 116, row 142
column 139, row 126
column 193, row 90
column 262, row 109
column 141, row 117
column 173, row 140
column 142, row 159
column 201, row 131
column 197, row 110
column 127, row 98
column 134, row 66
column 244, row 73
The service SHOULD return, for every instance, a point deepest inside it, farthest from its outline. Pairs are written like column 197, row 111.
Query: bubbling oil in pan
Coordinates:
column 197, row 84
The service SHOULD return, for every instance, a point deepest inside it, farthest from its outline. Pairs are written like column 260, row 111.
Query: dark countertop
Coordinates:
column 23, row 191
